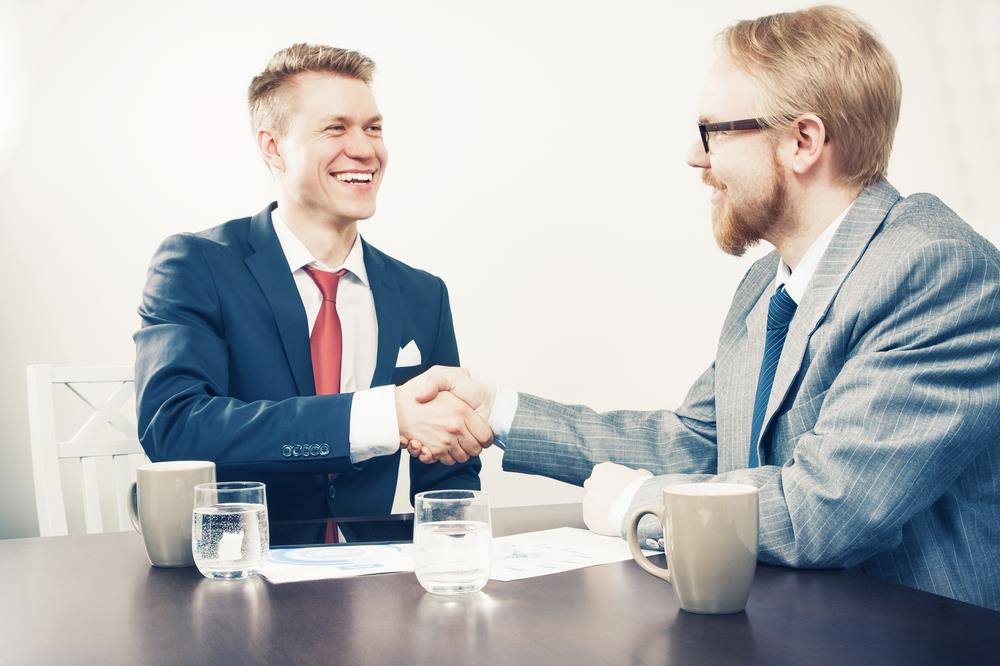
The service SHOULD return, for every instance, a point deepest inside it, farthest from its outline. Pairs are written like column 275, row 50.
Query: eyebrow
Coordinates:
column 345, row 120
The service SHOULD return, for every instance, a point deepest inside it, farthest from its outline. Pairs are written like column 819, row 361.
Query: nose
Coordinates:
column 697, row 157
column 359, row 146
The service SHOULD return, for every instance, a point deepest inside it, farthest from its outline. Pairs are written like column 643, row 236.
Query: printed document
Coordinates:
column 514, row 557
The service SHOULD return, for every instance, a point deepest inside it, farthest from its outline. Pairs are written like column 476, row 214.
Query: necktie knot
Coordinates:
column 326, row 281
column 781, row 309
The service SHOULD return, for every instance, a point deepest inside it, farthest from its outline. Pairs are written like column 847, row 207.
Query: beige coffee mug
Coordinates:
column 161, row 503
column 710, row 532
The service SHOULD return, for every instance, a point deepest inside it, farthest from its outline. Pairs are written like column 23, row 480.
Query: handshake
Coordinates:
column 443, row 415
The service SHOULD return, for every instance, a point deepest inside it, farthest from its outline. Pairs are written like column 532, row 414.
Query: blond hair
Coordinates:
column 826, row 61
column 269, row 107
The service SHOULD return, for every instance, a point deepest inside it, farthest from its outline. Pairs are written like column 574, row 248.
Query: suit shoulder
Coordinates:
column 227, row 237
column 228, row 233
column 922, row 220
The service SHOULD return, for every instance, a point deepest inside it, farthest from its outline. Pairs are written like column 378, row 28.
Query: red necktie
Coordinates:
column 326, row 344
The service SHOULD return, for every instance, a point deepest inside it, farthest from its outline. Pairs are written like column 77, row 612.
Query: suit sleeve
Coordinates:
column 916, row 401
column 185, row 410
column 566, row 441
column 462, row 476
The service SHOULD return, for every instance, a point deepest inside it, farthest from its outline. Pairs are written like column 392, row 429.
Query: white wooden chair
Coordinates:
column 106, row 434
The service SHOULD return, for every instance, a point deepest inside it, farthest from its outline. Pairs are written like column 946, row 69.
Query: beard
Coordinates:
column 742, row 224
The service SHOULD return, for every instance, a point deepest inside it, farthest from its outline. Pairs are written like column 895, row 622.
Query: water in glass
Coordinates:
column 230, row 540
column 452, row 556
column 452, row 540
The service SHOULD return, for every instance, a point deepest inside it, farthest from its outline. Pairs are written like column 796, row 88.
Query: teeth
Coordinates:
column 354, row 177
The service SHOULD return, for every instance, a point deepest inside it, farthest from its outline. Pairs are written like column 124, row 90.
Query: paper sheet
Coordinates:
column 514, row 557
column 289, row 565
column 553, row 551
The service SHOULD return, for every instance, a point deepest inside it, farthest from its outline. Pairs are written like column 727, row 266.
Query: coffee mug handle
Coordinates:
column 633, row 542
column 130, row 504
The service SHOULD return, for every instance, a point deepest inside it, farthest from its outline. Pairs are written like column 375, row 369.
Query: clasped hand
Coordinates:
column 443, row 415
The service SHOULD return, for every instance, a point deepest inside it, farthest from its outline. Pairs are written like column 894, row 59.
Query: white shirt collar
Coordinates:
column 298, row 255
column 797, row 281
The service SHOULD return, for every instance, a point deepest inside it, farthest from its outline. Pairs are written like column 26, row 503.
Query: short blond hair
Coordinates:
column 824, row 60
column 269, row 107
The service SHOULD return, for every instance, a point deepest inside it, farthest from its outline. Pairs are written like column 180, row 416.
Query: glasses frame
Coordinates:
column 729, row 126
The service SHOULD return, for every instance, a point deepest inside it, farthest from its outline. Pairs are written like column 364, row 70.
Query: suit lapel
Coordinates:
column 748, row 360
column 848, row 244
column 269, row 267
column 387, row 311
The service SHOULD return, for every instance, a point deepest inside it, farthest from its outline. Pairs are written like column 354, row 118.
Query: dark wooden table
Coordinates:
column 95, row 600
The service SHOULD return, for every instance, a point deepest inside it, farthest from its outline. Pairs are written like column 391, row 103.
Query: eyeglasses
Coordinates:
column 730, row 126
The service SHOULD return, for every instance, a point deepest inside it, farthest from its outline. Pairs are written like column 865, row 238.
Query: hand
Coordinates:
column 448, row 428
column 602, row 490
column 458, row 382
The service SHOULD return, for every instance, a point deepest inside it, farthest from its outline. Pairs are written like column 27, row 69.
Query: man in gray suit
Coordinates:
column 857, row 378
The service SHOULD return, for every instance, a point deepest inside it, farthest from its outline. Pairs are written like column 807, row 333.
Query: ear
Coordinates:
column 267, row 142
column 810, row 142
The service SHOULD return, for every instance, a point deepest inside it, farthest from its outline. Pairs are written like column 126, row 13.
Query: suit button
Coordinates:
column 314, row 450
column 332, row 490
column 297, row 450
column 286, row 451
column 324, row 450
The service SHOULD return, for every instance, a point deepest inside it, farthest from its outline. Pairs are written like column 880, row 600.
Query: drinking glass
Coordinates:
column 452, row 540
column 229, row 534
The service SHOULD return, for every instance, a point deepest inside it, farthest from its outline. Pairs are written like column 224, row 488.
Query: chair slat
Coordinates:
column 123, row 479
column 91, row 496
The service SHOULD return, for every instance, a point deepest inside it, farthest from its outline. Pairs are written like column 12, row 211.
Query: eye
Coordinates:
column 334, row 128
column 375, row 129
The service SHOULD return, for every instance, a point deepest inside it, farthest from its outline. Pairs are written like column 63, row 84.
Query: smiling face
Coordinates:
column 330, row 159
column 750, row 199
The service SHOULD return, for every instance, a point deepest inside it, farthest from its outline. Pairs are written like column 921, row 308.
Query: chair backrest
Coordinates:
column 105, row 434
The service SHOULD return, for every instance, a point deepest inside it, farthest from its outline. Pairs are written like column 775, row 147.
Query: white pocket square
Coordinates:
column 408, row 355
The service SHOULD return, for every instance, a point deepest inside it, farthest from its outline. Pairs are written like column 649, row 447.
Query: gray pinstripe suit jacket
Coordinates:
column 884, row 417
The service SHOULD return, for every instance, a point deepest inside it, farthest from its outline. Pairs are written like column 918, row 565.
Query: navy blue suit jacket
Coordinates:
column 224, row 373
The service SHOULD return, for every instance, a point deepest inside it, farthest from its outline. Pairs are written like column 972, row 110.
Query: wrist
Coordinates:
column 623, row 500
column 486, row 409
column 400, row 413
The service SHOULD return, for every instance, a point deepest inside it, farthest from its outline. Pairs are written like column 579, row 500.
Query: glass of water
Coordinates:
column 229, row 535
column 452, row 540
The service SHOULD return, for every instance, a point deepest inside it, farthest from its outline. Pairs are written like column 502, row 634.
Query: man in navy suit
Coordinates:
column 280, row 345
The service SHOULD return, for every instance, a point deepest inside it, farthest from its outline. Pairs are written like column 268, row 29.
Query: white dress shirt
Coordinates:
column 374, row 430
column 796, row 283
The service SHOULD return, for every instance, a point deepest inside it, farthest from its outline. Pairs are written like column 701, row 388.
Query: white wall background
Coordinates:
column 535, row 164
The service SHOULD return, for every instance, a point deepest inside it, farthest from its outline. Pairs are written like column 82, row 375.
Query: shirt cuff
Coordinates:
column 374, row 428
column 618, row 508
column 502, row 415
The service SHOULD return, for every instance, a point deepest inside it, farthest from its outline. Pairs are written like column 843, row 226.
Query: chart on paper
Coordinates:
column 289, row 565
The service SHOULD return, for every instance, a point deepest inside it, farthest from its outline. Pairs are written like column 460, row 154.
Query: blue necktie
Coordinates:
column 779, row 315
